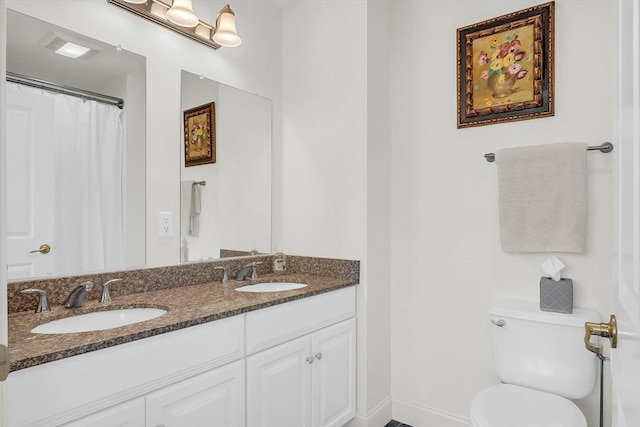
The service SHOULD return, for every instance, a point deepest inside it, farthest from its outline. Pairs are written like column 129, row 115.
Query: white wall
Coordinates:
column 255, row 67
column 324, row 173
column 447, row 261
column 378, row 292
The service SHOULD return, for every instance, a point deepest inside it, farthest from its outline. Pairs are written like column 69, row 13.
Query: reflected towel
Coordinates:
column 542, row 197
column 194, row 217
column 185, row 207
column 190, row 208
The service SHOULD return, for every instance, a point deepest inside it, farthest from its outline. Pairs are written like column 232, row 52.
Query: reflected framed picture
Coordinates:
column 505, row 68
column 200, row 135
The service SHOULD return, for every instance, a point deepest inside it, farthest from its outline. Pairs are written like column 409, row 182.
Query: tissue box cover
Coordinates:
column 556, row 296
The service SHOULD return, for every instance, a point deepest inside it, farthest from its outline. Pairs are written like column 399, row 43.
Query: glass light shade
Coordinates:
column 225, row 33
column 136, row 1
column 181, row 13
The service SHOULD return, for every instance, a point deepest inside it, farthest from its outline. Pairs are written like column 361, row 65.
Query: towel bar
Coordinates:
column 605, row 147
column 203, row 183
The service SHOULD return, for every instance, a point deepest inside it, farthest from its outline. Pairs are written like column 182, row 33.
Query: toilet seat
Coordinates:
column 507, row 405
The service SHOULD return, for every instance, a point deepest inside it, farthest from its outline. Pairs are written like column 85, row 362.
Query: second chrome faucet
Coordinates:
column 105, row 297
column 244, row 271
column 78, row 296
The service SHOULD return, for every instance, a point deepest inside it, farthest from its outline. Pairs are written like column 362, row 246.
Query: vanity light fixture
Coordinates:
column 225, row 33
column 181, row 13
column 179, row 17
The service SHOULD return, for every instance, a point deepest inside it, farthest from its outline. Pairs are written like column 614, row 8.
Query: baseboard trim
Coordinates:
column 418, row 415
column 379, row 416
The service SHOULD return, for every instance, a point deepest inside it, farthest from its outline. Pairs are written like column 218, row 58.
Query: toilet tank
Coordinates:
column 542, row 350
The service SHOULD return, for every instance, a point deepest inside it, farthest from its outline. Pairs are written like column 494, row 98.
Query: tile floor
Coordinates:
column 394, row 423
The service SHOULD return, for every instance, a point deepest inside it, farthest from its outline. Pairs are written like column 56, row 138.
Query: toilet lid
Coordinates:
column 507, row 405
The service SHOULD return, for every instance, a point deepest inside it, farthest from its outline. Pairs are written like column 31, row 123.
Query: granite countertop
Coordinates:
column 186, row 306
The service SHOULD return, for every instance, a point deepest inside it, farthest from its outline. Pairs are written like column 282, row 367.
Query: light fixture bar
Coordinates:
column 201, row 33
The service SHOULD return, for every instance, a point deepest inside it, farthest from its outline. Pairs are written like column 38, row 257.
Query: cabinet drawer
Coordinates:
column 274, row 325
column 128, row 414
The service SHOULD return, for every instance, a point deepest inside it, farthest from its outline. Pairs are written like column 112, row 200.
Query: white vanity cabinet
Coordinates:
column 289, row 365
column 96, row 388
column 309, row 379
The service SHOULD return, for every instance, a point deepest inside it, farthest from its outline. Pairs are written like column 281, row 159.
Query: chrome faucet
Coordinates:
column 225, row 275
column 105, row 297
column 43, row 304
column 78, row 296
column 244, row 271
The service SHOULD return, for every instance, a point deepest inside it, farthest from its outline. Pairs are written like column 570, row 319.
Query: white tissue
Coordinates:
column 552, row 267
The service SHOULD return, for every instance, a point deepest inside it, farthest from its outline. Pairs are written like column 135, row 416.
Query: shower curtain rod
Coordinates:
column 605, row 147
column 66, row 90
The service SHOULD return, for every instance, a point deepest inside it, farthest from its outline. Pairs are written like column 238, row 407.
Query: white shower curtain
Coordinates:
column 88, row 184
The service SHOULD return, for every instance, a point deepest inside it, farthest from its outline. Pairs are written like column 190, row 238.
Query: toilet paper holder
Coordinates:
column 607, row 330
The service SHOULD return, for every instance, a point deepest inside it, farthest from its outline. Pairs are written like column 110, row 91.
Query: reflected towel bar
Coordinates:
column 605, row 147
column 203, row 183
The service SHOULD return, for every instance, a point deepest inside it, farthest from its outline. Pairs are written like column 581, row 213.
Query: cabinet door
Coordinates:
column 278, row 386
column 128, row 414
column 212, row 399
column 334, row 390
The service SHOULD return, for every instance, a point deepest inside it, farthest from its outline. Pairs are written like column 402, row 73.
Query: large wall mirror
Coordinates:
column 226, row 204
column 75, row 167
column 79, row 184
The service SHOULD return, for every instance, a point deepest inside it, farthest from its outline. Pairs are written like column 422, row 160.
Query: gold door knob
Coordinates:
column 44, row 249
column 607, row 330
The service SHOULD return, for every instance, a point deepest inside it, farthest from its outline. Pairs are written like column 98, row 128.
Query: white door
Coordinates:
column 3, row 273
column 333, row 395
column 625, row 360
column 29, row 169
column 212, row 399
column 279, row 386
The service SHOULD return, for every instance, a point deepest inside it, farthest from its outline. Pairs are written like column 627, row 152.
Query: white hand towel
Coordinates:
column 185, row 207
column 542, row 198
column 194, row 225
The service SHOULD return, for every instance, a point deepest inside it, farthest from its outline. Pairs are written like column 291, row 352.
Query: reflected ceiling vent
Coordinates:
column 70, row 46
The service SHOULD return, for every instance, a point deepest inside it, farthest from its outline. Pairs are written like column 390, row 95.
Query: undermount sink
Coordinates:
column 271, row 287
column 98, row 320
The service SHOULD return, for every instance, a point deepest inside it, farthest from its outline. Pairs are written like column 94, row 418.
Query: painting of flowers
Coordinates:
column 200, row 135
column 501, row 70
column 505, row 68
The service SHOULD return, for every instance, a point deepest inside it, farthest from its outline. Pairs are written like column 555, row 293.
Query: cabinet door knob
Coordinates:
column 310, row 360
column 318, row 356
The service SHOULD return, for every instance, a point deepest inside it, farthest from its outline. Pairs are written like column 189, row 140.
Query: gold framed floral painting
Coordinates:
column 200, row 135
column 505, row 67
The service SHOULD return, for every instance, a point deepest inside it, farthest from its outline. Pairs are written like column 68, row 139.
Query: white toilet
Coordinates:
column 541, row 359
